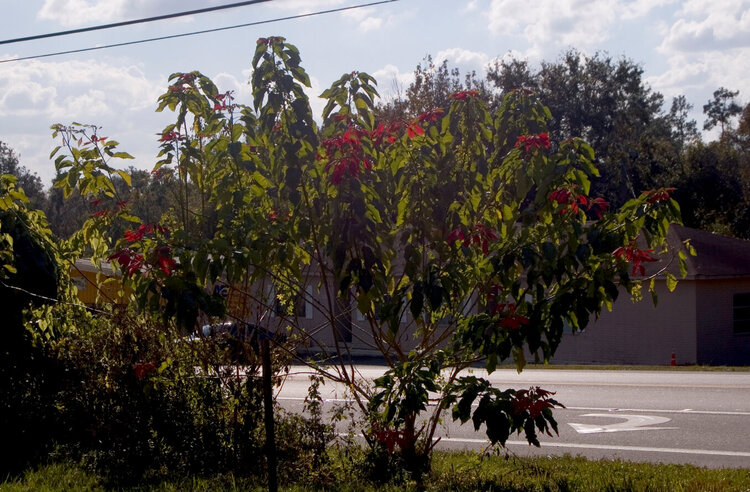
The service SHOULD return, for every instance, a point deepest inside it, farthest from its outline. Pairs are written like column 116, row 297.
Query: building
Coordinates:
column 95, row 286
column 706, row 320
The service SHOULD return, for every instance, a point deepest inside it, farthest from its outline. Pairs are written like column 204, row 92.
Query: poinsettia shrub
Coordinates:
column 461, row 237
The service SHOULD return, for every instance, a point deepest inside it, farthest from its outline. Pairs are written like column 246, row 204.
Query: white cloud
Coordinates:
column 706, row 46
column 365, row 18
column 71, row 13
column 707, row 70
column 716, row 25
column 639, row 8
column 554, row 24
column 74, row 89
column 465, row 60
column 316, row 102
column 551, row 25
column 392, row 82
column 86, row 12
column 36, row 94
column 306, row 5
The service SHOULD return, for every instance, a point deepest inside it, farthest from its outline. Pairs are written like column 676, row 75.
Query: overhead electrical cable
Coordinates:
column 204, row 31
column 134, row 21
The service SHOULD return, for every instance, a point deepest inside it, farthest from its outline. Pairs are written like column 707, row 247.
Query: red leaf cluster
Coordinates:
column 658, row 195
column 464, row 95
column 144, row 369
column 130, row 261
column 571, row 200
column 223, row 101
column 511, row 320
column 163, row 260
column 138, row 235
column 632, row 254
column 346, row 154
column 169, row 136
column 533, row 141
column 390, row 438
column 414, row 129
column 533, row 400
column 270, row 41
column 431, row 115
column 480, row 236
column 387, row 133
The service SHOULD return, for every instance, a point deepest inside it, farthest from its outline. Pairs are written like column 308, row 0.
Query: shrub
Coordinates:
column 141, row 402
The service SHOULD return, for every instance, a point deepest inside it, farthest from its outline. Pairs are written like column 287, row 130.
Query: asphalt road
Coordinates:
column 700, row 418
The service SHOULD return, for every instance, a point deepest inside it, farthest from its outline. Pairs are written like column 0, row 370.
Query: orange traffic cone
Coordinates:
column 673, row 362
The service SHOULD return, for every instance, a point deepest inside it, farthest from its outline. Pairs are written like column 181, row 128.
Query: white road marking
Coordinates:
column 608, row 447
column 325, row 400
column 632, row 423
column 598, row 409
column 655, row 410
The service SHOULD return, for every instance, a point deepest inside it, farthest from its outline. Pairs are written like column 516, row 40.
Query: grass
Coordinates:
column 463, row 471
column 595, row 367
column 665, row 368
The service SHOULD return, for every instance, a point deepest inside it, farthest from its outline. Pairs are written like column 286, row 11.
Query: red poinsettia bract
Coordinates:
column 510, row 318
column 533, row 141
column 130, row 261
column 481, row 236
column 169, row 136
column 143, row 229
column 346, row 155
column 534, row 401
column 632, row 254
column 144, row 369
column 658, row 195
column 164, row 260
column 571, row 200
column 464, row 95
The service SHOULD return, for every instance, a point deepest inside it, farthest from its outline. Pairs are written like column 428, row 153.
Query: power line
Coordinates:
column 205, row 31
column 131, row 22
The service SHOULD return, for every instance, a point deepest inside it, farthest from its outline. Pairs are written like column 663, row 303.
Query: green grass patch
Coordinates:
column 464, row 471
column 598, row 367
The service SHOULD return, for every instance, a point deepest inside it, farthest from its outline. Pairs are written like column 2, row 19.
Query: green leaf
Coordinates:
column 671, row 282
column 125, row 176
column 262, row 180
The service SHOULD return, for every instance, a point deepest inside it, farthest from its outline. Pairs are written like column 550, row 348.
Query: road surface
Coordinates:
column 700, row 418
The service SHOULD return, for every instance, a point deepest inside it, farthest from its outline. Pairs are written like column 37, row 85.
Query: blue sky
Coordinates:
column 686, row 47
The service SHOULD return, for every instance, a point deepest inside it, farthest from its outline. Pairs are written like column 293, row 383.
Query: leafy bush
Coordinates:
column 141, row 402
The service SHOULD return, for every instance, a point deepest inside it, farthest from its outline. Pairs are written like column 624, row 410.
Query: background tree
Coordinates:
column 29, row 182
column 684, row 130
column 721, row 109
column 432, row 88
column 605, row 102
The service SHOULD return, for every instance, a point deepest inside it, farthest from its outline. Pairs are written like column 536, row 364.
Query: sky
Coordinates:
column 689, row 47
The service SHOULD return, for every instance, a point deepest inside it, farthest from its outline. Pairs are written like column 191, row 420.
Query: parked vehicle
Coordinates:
column 242, row 340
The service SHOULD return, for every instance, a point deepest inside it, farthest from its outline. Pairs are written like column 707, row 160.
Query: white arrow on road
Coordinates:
column 632, row 423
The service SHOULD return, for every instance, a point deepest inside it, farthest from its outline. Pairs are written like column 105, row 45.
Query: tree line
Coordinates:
column 640, row 141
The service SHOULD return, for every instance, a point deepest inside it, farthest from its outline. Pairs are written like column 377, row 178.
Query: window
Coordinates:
column 301, row 307
column 80, row 283
column 741, row 313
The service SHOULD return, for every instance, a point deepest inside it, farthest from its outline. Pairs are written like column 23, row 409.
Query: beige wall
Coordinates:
column 638, row 333
column 694, row 321
column 717, row 342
